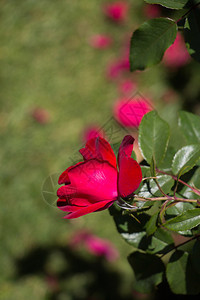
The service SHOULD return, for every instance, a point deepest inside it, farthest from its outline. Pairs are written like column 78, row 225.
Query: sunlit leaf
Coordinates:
column 150, row 41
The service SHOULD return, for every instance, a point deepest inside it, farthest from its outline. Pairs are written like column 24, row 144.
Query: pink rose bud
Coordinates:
column 92, row 132
column 94, row 244
column 100, row 41
column 116, row 11
column 40, row 115
column 116, row 69
column 127, row 87
column 129, row 113
column 176, row 55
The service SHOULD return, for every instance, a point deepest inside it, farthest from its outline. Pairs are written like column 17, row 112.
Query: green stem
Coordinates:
column 196, row 191
column 182, row 244
column 193, row 7
column 139, row 198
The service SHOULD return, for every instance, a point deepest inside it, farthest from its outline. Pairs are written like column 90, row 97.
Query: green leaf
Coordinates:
column 153, row 167
column 166, row 164
column 174, row 4
column 185, row 159
column 153, row 137
column 150, row 41
column 132, row 231
column 181, row 277
column 192, row 32
column 150, row 189
column 159, row 243
column 135, row 234
column 178, row 209
column 186, row 221
column 146, row 172
column 190, row 126
column 151, row 225
column 148, row 270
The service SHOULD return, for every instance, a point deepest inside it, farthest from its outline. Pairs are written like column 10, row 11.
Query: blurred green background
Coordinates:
column 46, row 61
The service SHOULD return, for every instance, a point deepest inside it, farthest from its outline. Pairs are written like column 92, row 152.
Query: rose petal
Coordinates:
column 126, row 147
column 130, row 176
column 88, row 209
column 64, row 177
column 94, row 180
column 98, row 148
column 69, row 208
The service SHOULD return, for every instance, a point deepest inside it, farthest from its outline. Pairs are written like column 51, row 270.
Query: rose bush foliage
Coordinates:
column 157, row 216
column 150, row 41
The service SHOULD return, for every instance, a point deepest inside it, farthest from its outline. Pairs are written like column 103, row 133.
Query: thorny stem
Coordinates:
column 196, row 191
column 182, row 244
column 159, row 187
column 139, row 198
column 191, row 8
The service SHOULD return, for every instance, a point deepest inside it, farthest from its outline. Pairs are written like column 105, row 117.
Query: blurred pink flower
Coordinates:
column 117, row 68
column 40, row 115
column 176, row 55
column 95, row 245
column 129, row 113
column 152, row 11
column 120, row 65
column 100, row 41
column 127, row 87
column 92, row 132
column 116, row 11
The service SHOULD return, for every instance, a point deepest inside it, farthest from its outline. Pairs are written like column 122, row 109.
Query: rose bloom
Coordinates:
column 176, row 55
column 116, row 11
column 100, row 41
column 96, row 183
column 130, row 113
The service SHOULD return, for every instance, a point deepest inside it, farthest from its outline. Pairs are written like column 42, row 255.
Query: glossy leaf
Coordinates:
column 190, row 126
column 159, row 243
column 186, row 221
column 181, row 277
column 174, row 4
column 150, row 189
column 185, row 159
column 146, row 172
column 150, row 41
column 130, row 229
column 151, row 225
column 153, row 137
column 166, row 164
column 148, row 270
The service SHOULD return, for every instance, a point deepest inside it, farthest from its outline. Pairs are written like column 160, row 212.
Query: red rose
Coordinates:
column 95, row 183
